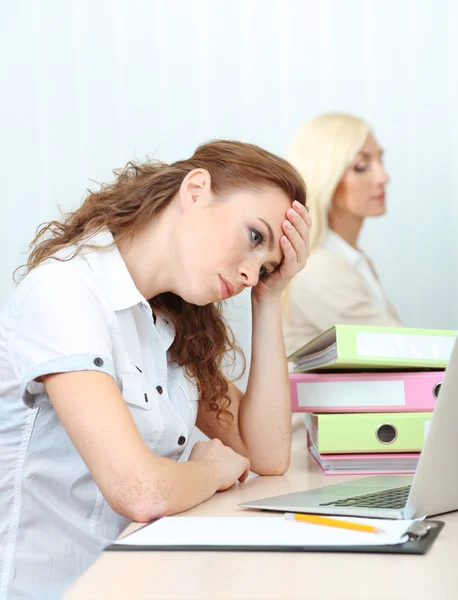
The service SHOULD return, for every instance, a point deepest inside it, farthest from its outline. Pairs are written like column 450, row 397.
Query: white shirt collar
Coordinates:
column 360, row 262
column 111, row 272
column 113, row 277
column 332, row 241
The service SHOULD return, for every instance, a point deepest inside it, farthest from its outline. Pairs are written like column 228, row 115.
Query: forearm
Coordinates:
column 164, row 487
column 265, row 412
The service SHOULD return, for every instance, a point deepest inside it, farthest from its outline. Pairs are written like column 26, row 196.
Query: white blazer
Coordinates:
column 338, row 285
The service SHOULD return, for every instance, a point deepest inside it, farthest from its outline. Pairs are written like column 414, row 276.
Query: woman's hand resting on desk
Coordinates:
column 229, row 466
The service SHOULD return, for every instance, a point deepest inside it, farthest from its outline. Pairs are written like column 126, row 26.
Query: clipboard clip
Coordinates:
column 418, row 530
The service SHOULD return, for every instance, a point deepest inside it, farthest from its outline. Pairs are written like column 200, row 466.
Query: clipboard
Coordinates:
column 421, row 536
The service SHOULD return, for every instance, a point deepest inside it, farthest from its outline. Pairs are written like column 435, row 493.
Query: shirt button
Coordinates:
column 181, row 440
column 159, row 389
column 98, row 361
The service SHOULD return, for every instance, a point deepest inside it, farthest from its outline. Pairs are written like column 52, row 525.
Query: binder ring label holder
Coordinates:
column 437, row 389
column 386, row 433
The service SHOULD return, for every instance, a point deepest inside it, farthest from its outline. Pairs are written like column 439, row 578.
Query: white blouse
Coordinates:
column 83, row 314
column 361, row 263
column 338, row 285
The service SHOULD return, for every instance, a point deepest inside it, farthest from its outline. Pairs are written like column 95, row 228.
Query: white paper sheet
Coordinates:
column 261, row 531
column 402, row 346
column 351, row 393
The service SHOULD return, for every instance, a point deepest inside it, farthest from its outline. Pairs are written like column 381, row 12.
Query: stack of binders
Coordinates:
column 368, row 394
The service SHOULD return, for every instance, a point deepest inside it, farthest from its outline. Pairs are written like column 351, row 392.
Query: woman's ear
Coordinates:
column 195, row 188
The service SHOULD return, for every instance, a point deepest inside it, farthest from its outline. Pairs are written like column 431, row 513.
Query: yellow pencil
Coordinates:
column 330, row 522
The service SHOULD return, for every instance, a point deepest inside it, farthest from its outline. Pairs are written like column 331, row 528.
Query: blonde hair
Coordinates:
column 322, row 149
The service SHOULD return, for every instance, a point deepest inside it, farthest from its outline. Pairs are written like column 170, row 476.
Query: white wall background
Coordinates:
column 90, row 84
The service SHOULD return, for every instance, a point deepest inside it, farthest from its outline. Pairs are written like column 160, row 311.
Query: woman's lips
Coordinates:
column 227, row 289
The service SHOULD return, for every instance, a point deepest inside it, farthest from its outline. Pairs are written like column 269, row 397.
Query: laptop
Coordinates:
column 431, row 491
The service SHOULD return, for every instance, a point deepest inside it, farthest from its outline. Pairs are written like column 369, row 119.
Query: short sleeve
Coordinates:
column 60, row 326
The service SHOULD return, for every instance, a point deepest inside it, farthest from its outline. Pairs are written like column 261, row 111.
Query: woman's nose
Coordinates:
column 382, row 175
column 249, row 275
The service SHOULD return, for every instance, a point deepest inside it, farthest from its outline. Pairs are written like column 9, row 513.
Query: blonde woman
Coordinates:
column 342, row 163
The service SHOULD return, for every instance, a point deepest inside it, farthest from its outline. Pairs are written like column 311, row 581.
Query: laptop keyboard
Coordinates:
column 395, row 498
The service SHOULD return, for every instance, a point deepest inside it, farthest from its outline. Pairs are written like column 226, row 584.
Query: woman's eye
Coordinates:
column 263, row 273
column 256, row 237
column 360, row 168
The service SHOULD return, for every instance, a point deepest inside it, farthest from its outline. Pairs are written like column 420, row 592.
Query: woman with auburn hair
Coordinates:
column 111, row 348
column 341, row 162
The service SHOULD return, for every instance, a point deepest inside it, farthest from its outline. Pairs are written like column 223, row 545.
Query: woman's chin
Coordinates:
column 378, row 211
column 200, row 298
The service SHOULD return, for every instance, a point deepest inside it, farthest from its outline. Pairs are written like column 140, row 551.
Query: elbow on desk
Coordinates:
column 139, row 512
column 137, row 504
column 273, row 467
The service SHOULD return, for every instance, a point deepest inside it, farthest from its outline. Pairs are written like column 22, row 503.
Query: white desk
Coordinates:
column 274, row 576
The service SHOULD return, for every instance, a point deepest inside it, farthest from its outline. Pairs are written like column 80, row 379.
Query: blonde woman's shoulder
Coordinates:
column 326, row 266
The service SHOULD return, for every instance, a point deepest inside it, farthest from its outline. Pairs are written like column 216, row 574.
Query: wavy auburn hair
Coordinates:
column 137, row 195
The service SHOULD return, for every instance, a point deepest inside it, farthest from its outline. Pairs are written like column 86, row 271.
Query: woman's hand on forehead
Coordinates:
column 295, row 244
